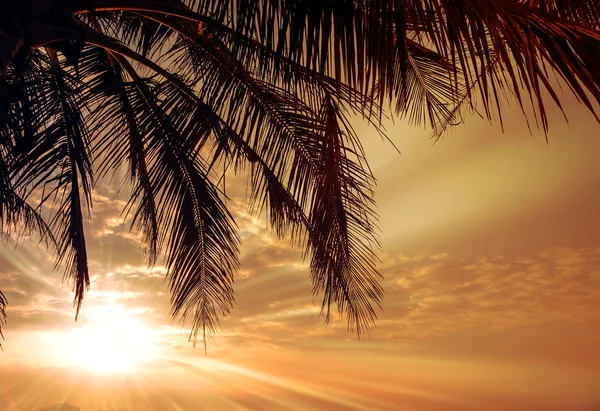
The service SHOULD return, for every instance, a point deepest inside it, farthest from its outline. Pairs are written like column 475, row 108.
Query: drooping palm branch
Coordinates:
column 183, row 90
column 3, row 303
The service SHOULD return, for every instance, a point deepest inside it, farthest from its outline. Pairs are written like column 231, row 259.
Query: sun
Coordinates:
column 111, row 341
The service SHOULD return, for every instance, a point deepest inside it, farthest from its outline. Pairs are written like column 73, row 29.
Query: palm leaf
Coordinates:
column 3, row 304
column 57, row 158
column 342, row 234
column 200, row 237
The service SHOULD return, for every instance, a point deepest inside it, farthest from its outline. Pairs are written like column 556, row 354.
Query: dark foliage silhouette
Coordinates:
column 183, row 90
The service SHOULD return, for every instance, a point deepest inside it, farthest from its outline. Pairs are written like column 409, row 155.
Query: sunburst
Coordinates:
column 110, row 341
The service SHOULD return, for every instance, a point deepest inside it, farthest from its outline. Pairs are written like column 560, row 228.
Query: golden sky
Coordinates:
column 491, row 257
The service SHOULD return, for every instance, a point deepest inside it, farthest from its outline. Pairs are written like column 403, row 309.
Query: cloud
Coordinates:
column 267, row 256
column 36, row 299
column 428, row 297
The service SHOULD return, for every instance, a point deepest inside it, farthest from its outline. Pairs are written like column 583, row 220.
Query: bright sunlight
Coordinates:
column 111, row 341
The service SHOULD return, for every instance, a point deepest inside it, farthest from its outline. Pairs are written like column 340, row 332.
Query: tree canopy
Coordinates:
column 183, row 91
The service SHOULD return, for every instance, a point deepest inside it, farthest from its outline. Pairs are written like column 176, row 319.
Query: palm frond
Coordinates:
column 586, row 12
column 272, row 119
column 3, row 304
column 200, row 237
column 424, row 90
column 16, row 215
column 342, row 236
column 528, row 41
column 57, row 159
column 18, row 122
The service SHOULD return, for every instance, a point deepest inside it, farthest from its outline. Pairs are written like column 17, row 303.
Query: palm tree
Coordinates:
column 184, row 90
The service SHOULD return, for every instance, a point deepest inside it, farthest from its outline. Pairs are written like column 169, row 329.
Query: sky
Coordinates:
column 491, row 258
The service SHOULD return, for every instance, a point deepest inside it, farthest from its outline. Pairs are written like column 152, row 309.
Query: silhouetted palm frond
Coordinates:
column 3, row 303
column 342, row 230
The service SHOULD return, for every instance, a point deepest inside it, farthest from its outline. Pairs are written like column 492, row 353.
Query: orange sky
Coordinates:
column 491, row 257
